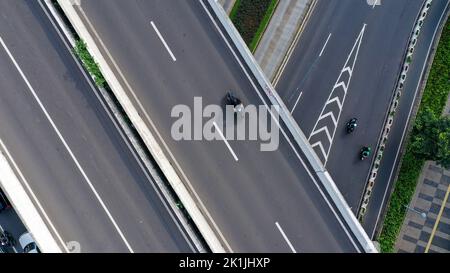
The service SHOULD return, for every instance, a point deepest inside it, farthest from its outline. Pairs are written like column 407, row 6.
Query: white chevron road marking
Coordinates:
column 348, row 67
column 341, row 84
column 337, row 100
column 319, row 144
column 324, row 129
column 331, row 114
column 348, row 70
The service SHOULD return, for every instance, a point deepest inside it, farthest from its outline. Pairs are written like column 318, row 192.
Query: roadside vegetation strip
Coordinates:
column 132, row 134
column 89, row 63
column 251, row 18
column 263, row 26
column 433, row 102
column 394, row 104
column 235, row 9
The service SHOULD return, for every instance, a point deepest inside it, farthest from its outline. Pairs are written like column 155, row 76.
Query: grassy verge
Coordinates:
column 235, row 8
column 434, row 98
column 251, row 18
column 89, row 62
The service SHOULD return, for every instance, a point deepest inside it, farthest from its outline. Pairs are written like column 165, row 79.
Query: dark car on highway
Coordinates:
column 4, row 202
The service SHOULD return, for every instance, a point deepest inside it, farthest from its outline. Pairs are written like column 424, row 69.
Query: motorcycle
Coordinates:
column 351, row 125
column 365, row 152
column 6, row 239
column 238, row 106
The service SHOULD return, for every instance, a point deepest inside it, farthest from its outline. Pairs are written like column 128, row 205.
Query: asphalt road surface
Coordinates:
column 10, row 222
column 69, row 149
column 389, row 164
column 169, row 52
column 370, row 41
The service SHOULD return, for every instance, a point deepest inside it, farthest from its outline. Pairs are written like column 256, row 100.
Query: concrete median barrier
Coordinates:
column 73, row 11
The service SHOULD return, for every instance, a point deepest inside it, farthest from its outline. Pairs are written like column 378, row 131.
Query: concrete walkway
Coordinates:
column 417, row 232
column 227, row 5
column 281, row 32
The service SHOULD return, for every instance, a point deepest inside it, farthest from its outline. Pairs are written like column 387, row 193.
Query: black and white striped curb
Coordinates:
column 393, row 108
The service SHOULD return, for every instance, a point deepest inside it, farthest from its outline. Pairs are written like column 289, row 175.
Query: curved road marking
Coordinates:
column 407, row 122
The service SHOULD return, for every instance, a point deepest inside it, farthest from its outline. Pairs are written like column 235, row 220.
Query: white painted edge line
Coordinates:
column 226, row 141
column 325, row 45
column 167, row 167
column 299, row 137
column 69, row 150
column 296, row 102
column 59, row 21
column 409, row 117
column 285, row 238
column 163, row 41
column 25, row 208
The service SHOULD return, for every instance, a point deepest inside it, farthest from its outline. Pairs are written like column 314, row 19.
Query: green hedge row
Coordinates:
column 250, row 17
column 434, row 98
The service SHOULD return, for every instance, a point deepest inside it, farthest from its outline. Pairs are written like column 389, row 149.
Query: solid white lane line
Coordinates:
column 225, row 140
column 285, row 237
column 163, row 41
column 296, row 102
column 325, row 45
column 47, row 115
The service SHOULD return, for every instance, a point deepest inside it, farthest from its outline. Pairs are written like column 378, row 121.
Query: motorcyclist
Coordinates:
column 5, row 239
column 365, row 152
column 352, row 124
column 235, row 101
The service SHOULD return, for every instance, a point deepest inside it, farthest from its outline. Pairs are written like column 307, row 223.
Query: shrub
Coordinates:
column 433, row 101
column 250, row 17
column 89, row 63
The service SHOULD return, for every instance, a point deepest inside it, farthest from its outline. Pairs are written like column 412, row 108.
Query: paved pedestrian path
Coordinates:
column 280, row 34
column 227, row 5
column 431, row 197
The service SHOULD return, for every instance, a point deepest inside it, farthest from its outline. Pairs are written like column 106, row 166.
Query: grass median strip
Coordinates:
column 433, row 102
column 251, row 18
